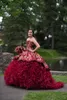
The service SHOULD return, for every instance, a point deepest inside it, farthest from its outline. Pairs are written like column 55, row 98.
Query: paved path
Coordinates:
column 10, row 93
column 13, row 93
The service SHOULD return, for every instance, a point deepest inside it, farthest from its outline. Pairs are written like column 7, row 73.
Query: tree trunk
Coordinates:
column 52, row 44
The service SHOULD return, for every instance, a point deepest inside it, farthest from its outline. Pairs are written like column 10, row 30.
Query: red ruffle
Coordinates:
column 30, row 75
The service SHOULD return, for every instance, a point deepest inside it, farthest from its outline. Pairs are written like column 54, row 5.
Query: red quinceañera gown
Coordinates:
column 27, row 70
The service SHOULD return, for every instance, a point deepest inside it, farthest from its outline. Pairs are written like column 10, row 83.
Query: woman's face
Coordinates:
column 30, row 33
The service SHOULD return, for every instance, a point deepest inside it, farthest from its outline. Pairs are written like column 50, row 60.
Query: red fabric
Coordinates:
column 30, row 56
column 30, row 75
column 28, row 70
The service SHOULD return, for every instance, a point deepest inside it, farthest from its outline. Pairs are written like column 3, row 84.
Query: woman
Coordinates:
column 28, row 69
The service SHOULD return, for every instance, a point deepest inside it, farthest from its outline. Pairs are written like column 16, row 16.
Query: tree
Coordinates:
column 43, row 16
column 17, row 19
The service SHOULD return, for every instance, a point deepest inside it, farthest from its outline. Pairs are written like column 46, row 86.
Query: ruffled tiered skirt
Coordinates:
column 30, row 75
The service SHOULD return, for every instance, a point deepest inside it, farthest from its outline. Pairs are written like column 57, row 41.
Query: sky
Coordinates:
column 1, row 19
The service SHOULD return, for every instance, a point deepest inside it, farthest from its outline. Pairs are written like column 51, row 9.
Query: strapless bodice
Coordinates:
column 29, row 44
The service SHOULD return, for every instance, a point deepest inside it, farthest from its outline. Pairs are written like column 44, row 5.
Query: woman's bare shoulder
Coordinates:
column 27, row 39
column 34, row 39
column 31, row 39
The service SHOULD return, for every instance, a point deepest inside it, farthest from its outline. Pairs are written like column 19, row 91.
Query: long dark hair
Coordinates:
column 32, row 32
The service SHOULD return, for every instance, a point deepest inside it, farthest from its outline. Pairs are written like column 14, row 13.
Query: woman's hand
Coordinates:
column 36, row 43
column 31, row 50
column 16, row 57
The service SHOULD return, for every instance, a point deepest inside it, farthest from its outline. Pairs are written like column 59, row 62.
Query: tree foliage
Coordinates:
column 43, row 16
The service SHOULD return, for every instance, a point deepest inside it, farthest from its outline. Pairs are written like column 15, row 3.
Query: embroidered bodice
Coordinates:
column 29, row 44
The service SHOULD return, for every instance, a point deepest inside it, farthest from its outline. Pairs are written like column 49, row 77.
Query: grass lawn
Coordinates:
column 46, row 96
column 48, row 53
column 52, row 95
column 60, row 78
column 1, row 74
column 50, row 56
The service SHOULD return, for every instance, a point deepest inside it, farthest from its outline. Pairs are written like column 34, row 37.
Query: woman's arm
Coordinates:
column 36, row 44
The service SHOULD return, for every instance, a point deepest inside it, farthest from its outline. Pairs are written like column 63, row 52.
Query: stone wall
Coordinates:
column 5, row 59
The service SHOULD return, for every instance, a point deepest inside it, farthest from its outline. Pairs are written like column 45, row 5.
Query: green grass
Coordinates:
column 49, row 95
column 50, row 56
column 48, row 53
column 46, row 96
column 1, row 74
column 60, row 78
